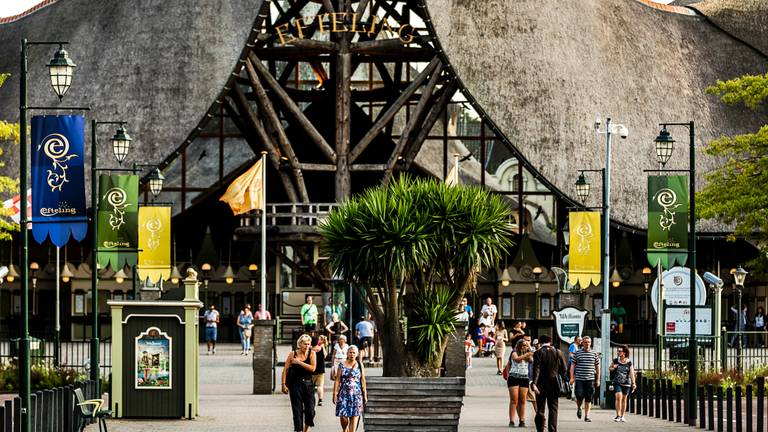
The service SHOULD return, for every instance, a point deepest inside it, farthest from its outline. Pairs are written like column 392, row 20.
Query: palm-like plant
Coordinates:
column 422, row 236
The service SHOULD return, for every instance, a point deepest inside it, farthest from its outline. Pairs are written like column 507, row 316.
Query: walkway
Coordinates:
column 227, row 404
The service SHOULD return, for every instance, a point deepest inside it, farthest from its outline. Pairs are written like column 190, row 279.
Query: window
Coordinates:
column 78, row 303
column 525, row 306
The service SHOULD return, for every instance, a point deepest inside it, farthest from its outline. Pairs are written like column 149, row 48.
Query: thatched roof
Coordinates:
column 745, row 19
column 159, row 65
column 549, row 67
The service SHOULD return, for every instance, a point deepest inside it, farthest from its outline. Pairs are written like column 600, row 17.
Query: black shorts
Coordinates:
column 517, row 382
column 365, row 342
column 585, row 390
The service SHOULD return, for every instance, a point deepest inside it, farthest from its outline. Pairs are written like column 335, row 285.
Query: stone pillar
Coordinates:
column 455, row 360
column 263, row 342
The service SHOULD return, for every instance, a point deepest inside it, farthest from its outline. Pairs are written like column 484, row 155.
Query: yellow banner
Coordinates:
column 584, row 253
column 154, row 243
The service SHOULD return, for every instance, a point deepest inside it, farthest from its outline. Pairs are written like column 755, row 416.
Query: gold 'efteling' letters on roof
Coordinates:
column 337, row 23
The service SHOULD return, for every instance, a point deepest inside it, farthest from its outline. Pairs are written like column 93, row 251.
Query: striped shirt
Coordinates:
column 585, row 365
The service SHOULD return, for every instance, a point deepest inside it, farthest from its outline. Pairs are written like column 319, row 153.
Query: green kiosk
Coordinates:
column 154, row 356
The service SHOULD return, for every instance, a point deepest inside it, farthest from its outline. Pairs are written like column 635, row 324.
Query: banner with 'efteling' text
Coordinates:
column 667, row 220
column 118, row 220
column 58, row 181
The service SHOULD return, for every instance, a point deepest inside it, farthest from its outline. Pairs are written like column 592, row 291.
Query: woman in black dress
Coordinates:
column 297, row 383
column 319, row 345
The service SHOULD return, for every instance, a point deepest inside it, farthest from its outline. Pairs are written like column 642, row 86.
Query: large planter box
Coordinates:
column 414, row 404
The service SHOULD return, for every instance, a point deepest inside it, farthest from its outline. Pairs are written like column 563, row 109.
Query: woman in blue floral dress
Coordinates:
column 349, row 393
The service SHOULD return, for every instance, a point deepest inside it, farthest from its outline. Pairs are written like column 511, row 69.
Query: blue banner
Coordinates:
column 58, row 180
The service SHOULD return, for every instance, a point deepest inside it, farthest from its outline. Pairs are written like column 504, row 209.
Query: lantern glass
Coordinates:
column 505, row 278
column 156, row 180
column 739, row 276
column 60, row 70
column 665, row 145
column 121, row 143
column 582, row 187
column 616, row 279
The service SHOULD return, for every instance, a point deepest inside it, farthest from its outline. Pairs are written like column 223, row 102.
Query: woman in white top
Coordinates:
column 517, row 382
column 339, row 354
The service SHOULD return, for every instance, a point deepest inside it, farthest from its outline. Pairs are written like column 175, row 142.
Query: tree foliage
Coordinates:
column 737, row 192
column 9, row 134
column 422, row 237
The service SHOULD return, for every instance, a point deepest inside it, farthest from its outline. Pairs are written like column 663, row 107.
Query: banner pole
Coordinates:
column 264, row 231
column 57, row 332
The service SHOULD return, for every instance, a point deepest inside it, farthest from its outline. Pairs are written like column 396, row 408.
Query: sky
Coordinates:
column 13, row 7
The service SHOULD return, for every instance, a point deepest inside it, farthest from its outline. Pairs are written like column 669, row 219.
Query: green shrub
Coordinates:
column 42, row 377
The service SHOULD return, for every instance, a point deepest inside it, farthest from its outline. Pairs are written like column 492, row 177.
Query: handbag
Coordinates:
column 563, row 385
column 505, row 372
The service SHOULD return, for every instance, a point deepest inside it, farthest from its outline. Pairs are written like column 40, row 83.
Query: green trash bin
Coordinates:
column 36, row 347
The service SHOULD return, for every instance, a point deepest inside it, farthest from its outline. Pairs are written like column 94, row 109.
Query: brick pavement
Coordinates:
column 227, row 404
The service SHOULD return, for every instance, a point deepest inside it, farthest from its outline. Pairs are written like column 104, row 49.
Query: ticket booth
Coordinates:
column 154, row 356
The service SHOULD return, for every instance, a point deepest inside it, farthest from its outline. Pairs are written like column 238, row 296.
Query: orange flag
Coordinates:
column 244, row 194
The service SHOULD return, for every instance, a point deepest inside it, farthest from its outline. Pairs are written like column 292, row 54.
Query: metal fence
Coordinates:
column 72, row 355
column 729, row 352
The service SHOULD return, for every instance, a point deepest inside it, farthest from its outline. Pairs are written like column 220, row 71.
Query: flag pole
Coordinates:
column 264, row 231
column 456, row 165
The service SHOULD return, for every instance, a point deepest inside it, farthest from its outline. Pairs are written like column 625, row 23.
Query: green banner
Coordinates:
column 667, row 220
column 118, row 236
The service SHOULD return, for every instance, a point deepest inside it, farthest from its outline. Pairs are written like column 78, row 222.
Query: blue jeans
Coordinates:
column 244, row 341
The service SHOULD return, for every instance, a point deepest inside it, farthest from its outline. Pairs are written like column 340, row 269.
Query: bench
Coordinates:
column 91, row 409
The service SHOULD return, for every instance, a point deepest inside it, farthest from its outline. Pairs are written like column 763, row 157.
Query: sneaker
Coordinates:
column 616, row 419
column 621, row 419
column 521, row 424
column 498, row 372
column 511, row 424
column 587, row 419
column 319, row 402
column 578, row 412
column 214, row 351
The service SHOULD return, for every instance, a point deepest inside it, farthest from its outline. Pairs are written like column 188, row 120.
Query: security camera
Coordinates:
column 623, row 132
column 713, row 280
column 597, row 123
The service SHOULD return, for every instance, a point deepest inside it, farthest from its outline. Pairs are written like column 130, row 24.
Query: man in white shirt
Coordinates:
column 211, row 317
column 490, row 308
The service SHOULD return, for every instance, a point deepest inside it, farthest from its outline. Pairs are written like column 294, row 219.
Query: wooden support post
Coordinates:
column 254, row 65
column 657, row 398
column 417, row 117
column 749, row 407
column 663, row 398
column 343, row 125
column 271, row 118
column 702, row 408
column 273, row 153
column 413, row 147
column 389, row 114
column 729, row 410
column 670, row 401
column 719, row 408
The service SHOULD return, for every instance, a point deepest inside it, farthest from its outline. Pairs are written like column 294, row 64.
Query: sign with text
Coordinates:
column 677, row 288
column 569, row 323
column 677, row 321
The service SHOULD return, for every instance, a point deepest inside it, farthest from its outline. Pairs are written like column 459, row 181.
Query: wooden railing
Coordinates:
column 290, row 214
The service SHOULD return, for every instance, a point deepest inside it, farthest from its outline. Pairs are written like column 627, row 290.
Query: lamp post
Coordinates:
column 664, row 145
column 537, row 271
column 120, row 145
column 253, row 268
column 60, row 71
column 582, row 188
column 206, row 268
column 647, row 271
column 738, row 277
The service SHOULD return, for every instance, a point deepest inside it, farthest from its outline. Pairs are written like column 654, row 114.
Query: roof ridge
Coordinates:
column 667, row 7
column 27, row 12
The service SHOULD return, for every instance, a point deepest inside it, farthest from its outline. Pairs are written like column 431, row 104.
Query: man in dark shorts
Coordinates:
column 364, row 333
column 585, row 372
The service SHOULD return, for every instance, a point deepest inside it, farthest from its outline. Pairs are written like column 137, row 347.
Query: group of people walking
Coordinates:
column 304, row 374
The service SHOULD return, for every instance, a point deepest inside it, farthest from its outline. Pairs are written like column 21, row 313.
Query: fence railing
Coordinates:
column 718, row 407
column 72, row 355
column 51, row 410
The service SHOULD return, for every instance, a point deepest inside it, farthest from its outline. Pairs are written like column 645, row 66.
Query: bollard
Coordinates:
column 670, row 401
column 702, row 410
column 8, row 422
column 679, row 403
column 729, row 410
column 663, row 399
column 760, row 404
column 719, row 409
column 657, row 398
column 644, row 397
column 749, row 408
column 738, row 409
column 685, row 403
column 710, row 407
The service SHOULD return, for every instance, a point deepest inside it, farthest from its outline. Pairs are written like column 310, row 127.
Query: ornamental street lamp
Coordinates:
column 739, row 275
column 537, row 271
column 605, row 320
column 229, row 275
column 155, row 178
column 664, row 145
column 505, row 277
column 647, row 271
column 60, row 72
column 582, row 187
column 206, row 268
column 253, row 269
column 120, row 144
column 616, row 279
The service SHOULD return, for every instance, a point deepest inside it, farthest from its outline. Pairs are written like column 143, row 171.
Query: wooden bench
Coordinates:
column 413, row 404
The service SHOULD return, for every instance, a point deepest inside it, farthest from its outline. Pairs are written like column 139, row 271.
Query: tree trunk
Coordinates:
column 392, row 346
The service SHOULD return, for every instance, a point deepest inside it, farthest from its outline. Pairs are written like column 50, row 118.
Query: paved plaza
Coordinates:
column 226, row 404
